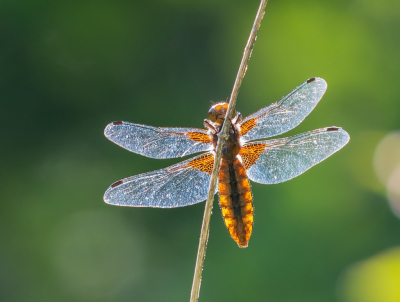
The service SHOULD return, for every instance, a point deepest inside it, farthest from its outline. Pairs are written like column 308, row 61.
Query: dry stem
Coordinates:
column 223, row 135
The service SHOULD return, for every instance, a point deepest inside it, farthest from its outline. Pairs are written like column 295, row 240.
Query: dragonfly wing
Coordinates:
column 285, row 114
column 179, row 185
column 156, row 142
column 278, row 160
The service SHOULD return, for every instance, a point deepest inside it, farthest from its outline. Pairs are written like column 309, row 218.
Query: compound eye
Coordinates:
column 212, row 116
column 217, row 113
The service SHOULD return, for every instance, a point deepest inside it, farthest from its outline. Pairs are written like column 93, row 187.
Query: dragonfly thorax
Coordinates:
column 233, row 144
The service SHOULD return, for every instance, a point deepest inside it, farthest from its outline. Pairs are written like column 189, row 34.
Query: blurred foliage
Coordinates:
column 377, row 279
column 68, row 68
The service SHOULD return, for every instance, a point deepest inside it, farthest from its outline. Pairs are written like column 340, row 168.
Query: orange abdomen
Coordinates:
column 236, row 201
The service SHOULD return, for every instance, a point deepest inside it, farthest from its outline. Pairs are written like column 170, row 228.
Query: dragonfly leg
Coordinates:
column 237, row 118
column 210, row 126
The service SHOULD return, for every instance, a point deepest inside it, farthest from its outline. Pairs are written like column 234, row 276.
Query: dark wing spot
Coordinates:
column 117, row 123
column 310, row 80
column 332, row 129
column 117, row 183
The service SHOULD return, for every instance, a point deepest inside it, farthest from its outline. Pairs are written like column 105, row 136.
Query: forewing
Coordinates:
column 285, row 114
column 156, row 142
column 278, row 160
column 179, row 185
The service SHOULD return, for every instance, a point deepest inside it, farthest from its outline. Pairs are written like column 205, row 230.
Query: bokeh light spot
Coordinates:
column 387, row 156
column 387, row 168
column 393, row 187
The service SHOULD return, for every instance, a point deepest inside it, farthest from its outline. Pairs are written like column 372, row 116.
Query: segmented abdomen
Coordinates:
column 236, row 201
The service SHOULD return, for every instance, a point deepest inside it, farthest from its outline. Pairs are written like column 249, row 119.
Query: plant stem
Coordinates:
column 223, row 135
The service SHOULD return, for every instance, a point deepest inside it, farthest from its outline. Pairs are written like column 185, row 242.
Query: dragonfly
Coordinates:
column 245, row 157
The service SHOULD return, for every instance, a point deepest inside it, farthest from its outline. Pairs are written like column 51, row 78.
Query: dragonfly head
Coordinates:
column 217, row 113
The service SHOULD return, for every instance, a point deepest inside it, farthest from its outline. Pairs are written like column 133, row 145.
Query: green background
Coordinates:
column 68, row 68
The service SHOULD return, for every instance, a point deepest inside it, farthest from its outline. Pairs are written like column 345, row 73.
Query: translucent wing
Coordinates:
column 158, row 142
column 179, row 185
column 285, row 114
column 278, row 160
